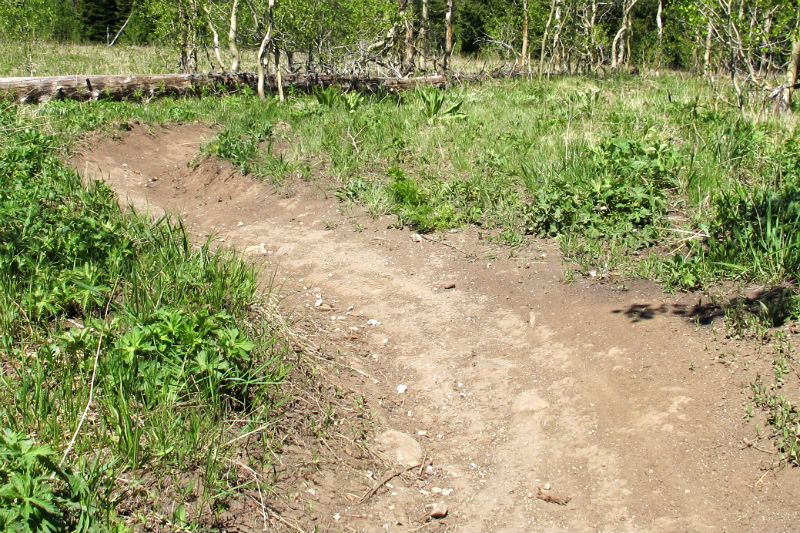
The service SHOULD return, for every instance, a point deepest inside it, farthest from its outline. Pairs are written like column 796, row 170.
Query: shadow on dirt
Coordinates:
column 775, row 305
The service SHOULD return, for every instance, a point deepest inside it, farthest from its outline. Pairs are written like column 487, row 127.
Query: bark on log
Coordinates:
column 119, row 87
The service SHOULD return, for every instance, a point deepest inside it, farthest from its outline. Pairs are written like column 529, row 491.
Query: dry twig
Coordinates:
column 390, row 476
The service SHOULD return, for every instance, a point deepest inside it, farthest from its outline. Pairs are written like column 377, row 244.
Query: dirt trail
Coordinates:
column 515, row 380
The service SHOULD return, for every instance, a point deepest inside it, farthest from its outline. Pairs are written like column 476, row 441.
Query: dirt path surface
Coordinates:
column 519, row 388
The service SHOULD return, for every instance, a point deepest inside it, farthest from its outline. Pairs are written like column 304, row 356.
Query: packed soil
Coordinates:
column 536, row 404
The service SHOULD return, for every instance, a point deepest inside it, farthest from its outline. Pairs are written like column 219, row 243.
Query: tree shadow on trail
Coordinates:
column 775, row 305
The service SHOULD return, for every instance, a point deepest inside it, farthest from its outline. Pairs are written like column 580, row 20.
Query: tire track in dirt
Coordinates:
column 623, row 411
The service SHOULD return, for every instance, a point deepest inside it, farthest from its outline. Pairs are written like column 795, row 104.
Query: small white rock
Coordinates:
column 318, row 302
column 240, row 223
column 416, row 237
column 401, row 389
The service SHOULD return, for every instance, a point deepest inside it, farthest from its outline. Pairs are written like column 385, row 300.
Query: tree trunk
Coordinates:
column 523, row 58
column 32, row 90
column 618, row 45
column 556, row 56
column 264, row 48
column 232, row 34
column 543, row 52
column 791, row 73
column 214, row 36
column 448, row 35
column 422, row 45
column 707, row 53
column 114, row 40
column 277, row 72
column 408, row 45
column 660, row 30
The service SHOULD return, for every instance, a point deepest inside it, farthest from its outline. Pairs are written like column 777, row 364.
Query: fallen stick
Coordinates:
column 555, row 497
column 390, row 476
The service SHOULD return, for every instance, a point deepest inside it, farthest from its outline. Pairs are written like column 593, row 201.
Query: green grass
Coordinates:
column 124, row 353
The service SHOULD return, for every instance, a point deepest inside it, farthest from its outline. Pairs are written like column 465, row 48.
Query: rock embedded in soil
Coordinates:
column 439, row 510
column 256, row 249
column 400, row 447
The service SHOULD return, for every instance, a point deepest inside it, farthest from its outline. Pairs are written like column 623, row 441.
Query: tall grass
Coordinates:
column 123, row 353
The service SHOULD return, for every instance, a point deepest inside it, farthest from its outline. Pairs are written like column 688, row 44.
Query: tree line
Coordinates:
column 752, row 39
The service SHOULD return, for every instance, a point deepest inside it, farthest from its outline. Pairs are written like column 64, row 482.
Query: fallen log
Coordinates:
column 120, row 87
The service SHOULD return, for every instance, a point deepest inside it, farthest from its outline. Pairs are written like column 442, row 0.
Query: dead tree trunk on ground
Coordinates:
column 33, row 90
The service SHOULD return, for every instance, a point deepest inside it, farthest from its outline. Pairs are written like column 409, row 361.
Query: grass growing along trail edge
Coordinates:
column 124, row 354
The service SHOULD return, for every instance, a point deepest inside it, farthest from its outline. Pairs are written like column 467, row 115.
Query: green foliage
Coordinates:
column 241, row 143
column 619, row 192
column 37, row 495
column 756, row 232
column 177, row 342
column 782, row 416
column 327, row 96
column 433, row 105
column 427, row 208
column 27, row 499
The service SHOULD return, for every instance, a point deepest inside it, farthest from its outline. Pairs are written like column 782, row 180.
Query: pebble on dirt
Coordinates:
column 439, row 510
column 256, row 249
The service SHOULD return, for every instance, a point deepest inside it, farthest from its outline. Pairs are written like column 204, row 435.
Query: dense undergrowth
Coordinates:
column 124, row 354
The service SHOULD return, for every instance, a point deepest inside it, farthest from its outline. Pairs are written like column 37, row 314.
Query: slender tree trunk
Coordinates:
column 214, row 36
column 232, row 34
column 187, row 13
column 448, row 35
column 547, row 26
column 409, row 50
column 589, row 24
column 660, row 30
column 114, row 40
column 732, row 53
column 556, row 56
column 791, row 73
column 264, row 48
column 707, row 52
column 618, row 45
column 422, row 45
column 762, row 64
column 523, row 58
column 277, row 71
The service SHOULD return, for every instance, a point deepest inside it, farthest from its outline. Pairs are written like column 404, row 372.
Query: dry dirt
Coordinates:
column 519, row 388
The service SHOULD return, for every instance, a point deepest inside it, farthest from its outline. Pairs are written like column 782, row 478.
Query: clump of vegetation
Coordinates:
column 782, row 416
column 123, row 350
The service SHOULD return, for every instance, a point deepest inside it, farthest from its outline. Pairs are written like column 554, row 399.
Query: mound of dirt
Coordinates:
column 513, row 383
